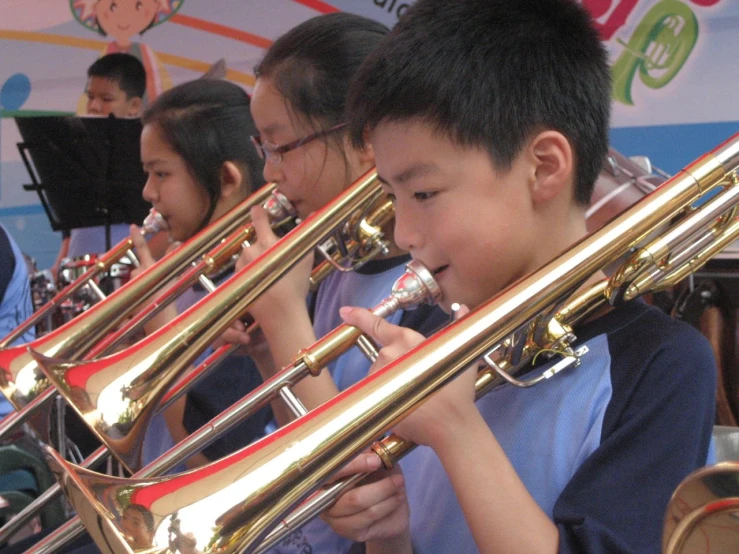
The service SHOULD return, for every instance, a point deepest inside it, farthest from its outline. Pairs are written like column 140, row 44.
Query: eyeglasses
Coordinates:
column 273, row 152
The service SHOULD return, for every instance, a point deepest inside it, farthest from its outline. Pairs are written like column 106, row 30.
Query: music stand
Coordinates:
column 86, row 170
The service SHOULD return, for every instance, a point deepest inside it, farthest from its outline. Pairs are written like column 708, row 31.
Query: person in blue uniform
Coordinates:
column 489, row 122
column 15, row 297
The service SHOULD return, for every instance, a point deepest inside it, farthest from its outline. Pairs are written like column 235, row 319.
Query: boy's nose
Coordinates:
column 406, row 233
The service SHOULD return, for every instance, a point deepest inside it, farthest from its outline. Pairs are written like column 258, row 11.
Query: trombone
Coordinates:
column 366, row 211
column 153, row 223
column 20, row 381
column 262, row 483
column 415, row 286
column 117, row 395
column 702, row 513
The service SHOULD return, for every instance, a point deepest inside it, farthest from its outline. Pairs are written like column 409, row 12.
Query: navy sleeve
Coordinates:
column 425, row 319
column 656, row 430
column 232, row 380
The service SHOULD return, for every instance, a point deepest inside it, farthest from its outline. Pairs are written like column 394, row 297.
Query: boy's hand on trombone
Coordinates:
column 282, row 297
column 443, row 413
column 375, row 510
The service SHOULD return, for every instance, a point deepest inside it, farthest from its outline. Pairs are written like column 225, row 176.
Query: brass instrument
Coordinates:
column 282, row 217
column 415, row 286
column 20, row 379
column 117, row 395
column 703, row 513
column 230, row 505
column 153, row 223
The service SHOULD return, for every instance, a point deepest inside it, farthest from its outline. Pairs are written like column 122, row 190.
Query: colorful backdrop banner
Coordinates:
column 674, row 78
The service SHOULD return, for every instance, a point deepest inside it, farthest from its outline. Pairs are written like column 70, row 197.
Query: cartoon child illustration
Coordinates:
column 123, row 19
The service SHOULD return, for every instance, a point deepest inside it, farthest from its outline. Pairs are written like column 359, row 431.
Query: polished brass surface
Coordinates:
column 231, row 505
column 358, row 241
column 117, row 395
column 20, row 378
column 703, row 514
column 282, row 218
column 411, row 289
column 153, row 223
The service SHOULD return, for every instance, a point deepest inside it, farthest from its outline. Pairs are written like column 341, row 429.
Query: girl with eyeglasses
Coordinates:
column 298, row 107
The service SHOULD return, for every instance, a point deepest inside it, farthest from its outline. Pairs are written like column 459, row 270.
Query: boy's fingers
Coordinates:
column 368, row 498
column 379, row 330
column 367, row 462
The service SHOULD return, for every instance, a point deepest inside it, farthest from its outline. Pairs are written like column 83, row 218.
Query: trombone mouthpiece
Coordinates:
column 278, row 206
column 416, row 286
column 153, row 223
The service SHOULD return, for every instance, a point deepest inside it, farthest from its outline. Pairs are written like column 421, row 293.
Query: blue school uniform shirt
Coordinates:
column 366, row 287
column 601, row 448
column 15, row 297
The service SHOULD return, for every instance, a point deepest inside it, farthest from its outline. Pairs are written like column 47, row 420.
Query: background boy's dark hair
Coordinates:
column 490, row 73
column 124, row 69
column 208, row 122
column 312, row 64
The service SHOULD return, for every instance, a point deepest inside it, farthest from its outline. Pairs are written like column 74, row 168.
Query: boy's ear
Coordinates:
column 365, row 155
column 232, row 179
column 134, row 106
column 553, row 164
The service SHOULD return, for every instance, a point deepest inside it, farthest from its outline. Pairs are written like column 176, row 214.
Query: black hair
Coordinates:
column 312, row 64
column 207, row 122
column 124, row 69
column 491, row 74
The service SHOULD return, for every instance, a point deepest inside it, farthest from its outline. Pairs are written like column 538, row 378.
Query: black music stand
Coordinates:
column 86, row 170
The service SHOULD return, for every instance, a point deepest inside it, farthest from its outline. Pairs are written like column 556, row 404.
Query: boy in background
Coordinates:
column 489, row 121
column 115, row 86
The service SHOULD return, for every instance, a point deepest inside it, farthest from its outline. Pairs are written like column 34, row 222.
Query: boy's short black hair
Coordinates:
column 124, row 69
column 490, row 74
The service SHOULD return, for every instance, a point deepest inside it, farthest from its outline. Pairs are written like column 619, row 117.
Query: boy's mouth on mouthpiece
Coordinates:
column 439, row 270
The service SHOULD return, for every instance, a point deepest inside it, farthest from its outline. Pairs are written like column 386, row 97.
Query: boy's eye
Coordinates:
column 423, row 195
column 391, row 197
column 139, row 5
column 113, row 6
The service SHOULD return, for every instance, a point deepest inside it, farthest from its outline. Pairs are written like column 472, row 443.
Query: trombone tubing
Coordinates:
column 79, row 335
column 279, row 471
column 154, row 362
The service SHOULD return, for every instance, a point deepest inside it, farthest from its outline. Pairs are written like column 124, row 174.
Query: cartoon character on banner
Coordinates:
column 123, row 19
column 657, row 49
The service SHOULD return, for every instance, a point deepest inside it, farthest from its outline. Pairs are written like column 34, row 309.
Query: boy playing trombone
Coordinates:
column 489, row 121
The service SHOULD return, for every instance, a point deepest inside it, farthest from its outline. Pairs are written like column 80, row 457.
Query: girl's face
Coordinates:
column 122, row 19
column 313, row 174
column 171, row 187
